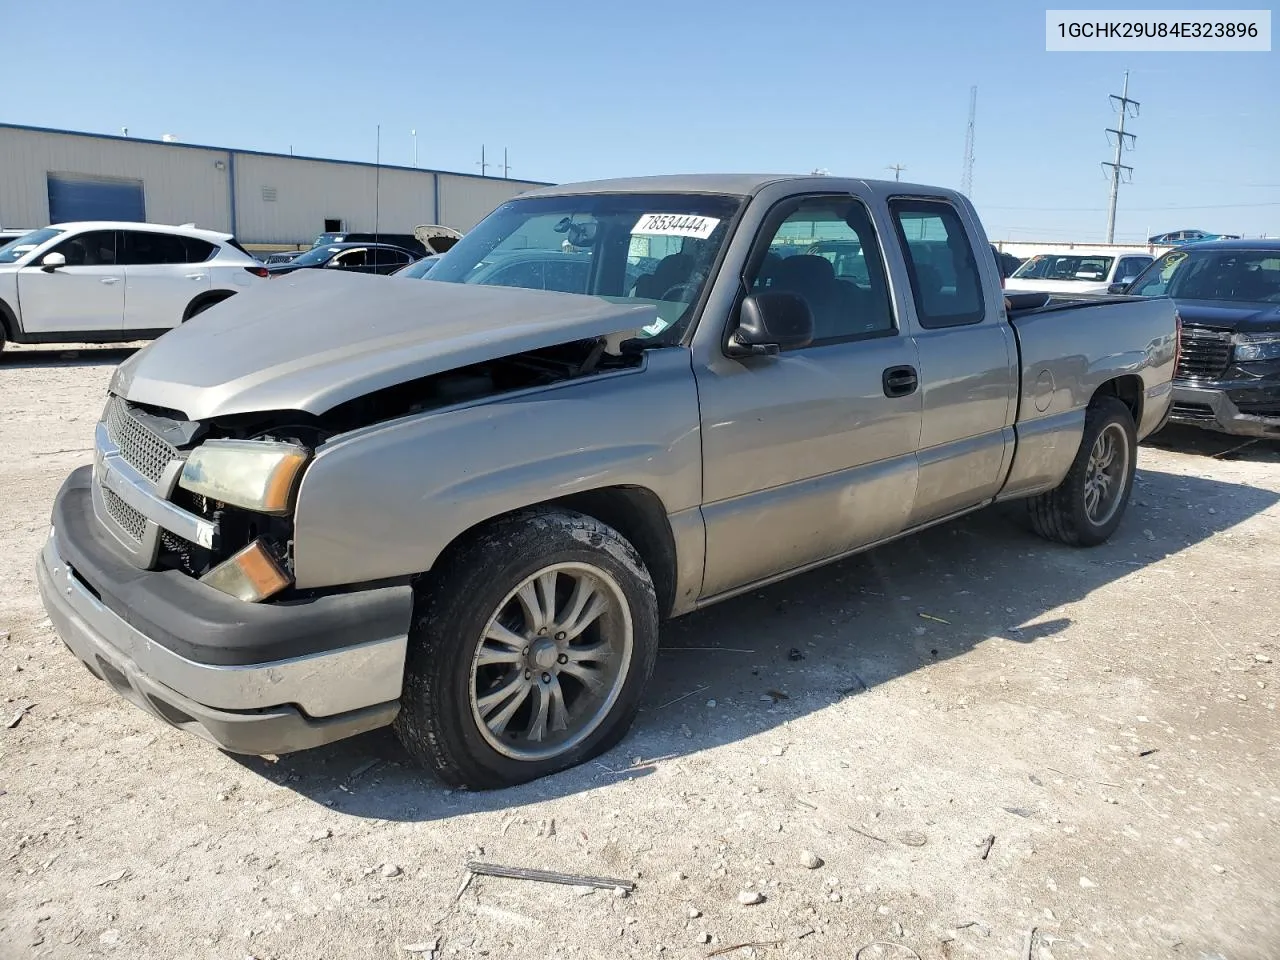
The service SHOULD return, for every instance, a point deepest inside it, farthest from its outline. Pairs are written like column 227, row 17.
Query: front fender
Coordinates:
column 385, row 500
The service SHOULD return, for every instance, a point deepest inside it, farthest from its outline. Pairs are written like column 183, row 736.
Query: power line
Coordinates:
column 1167, row 209
column 966, row 177
column 1117, row 168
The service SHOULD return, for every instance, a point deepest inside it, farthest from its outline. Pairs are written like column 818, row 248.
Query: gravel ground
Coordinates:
column 996, row 747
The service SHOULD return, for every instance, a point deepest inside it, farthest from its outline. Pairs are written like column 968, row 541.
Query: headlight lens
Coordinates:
column 257, row 475
column 1256, row 346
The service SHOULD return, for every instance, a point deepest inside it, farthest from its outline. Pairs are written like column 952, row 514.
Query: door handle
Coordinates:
column 109, row 280
column 900, row 381
column 195, row 276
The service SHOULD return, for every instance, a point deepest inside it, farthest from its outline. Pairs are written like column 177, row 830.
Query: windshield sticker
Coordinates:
column 675, row 225
column 655, row 328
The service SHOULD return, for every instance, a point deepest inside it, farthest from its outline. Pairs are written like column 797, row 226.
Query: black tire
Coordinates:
column 453, row 610
column 1061, row 514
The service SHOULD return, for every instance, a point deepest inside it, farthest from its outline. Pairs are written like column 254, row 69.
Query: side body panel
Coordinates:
column 384, row 501
column 157, row 294
column 1067, row 354
column 71, row 299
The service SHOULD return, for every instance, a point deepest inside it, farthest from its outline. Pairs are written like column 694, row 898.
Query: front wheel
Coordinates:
column 530, row 650
column 1086, row 508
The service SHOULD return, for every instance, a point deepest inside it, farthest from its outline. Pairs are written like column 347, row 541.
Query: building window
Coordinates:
column 75, row 197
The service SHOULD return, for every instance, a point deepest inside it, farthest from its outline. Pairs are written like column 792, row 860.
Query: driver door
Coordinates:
column 85, row 296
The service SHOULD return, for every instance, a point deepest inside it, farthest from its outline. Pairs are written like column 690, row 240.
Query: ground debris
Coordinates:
column 17, row 717
column 913, row 838
column 114, row 878
column 426, row 946
column 548, row 876
column 987, row 844
column 740, row 946
column 390, row 870
column 749, row 898
column 810, row 860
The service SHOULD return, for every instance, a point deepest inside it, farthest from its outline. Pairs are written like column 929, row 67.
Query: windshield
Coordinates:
column 628, row 248
column 1055, row 266
column 314, row 257
column 15, row 250
column 1252, row 276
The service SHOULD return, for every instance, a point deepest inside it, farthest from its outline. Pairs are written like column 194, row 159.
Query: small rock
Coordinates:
column 882, row 910
column 1212, row 511
column 322, row 835
column 1087, row 883
column 109, row 936
column 834, row 896
column 1148, row 534
column 749, row 898
column 693, row 913
column 1262, row 658
column 810, row 860
column 914, row 838
column 620, row 893
column 896, row 928
column 1219, row 868
column 1049, row 915
column 1241, row 697
column 794, row 654
column 583, row 891
column 703, row 937
column 679, row 875
column 223, row 796
column 711, row 703
column 390, row 870
column 920, row 631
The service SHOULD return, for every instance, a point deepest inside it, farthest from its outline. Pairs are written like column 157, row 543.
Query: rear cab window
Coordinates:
column 946, row 283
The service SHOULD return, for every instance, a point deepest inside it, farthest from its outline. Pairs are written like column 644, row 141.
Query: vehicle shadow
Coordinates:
column 1218, row 446
column 77, row 357
column 795, row 648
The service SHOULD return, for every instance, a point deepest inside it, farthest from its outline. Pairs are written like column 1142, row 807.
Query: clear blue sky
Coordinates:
column 578, row 90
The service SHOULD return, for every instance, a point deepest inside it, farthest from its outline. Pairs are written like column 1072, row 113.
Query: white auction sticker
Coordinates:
column 675, row 225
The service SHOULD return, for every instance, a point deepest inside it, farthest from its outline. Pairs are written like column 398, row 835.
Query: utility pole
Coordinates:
column 414, row 134
column 897, row 169
column 506, row 167
column 966, row 178
column 1118, row 169
column 482, row 164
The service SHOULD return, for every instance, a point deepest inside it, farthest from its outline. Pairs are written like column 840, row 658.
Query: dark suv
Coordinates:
column 1228, row 295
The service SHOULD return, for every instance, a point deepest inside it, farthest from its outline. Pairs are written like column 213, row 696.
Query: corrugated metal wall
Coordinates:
column 180, row 185
column 277, row 199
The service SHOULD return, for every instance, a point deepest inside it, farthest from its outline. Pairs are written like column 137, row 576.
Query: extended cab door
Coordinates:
column 85, row 296
column 810, row 453
column 163, row 273
column 968, row 358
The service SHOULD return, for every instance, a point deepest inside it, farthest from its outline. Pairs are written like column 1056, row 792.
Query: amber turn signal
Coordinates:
column 251, row 575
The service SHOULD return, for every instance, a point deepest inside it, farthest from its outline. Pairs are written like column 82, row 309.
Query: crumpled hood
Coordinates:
column 314, row 339
column 1229, row 315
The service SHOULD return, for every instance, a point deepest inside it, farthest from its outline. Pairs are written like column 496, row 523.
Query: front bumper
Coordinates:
column 213, row 665
column 1214, row 409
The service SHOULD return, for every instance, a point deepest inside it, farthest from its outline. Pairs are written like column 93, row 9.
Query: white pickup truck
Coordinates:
column 1079, row 271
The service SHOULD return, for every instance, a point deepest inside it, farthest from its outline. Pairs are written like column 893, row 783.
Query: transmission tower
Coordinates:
column 966, row 179
column 897, row 169
column 1118, row 169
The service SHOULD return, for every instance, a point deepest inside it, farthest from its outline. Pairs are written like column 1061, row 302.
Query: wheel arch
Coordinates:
column 205, row 299
column 635, row 512
column 8, row 321
column 1128, row 389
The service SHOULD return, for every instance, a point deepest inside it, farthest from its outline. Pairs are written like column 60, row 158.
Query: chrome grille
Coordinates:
column 1206, row 353
column 130, row 520
column 146, row 452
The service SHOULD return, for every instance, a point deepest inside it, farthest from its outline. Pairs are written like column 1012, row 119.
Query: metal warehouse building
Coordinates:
column 55, row 176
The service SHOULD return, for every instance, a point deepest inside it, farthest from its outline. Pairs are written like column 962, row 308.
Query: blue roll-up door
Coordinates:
column 94, row 198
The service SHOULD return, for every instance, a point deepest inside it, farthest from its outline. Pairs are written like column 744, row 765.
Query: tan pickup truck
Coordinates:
column 462, row 505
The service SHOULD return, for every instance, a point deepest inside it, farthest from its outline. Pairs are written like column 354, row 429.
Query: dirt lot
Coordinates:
column 1107, row 716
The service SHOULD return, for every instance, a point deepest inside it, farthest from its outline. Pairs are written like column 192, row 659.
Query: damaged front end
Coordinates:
column 214, row 499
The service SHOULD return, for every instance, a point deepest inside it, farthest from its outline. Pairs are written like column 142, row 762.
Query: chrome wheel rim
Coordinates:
column 1105, row 478
column 552, row 661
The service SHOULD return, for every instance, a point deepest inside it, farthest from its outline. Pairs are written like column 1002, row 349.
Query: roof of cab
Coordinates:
column 733, row 184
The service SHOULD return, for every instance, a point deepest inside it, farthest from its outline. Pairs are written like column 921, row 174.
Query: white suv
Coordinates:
column 104, row 282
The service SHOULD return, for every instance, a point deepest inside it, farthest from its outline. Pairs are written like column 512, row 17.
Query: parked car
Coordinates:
column 282, row 256
column 406, row 241
column 1228, row 295
column 1190, row 236
column 418, row 268
column 109, row 282
column 352, row 257
column 463, row 508
column 8, row 235
column 1077, row 272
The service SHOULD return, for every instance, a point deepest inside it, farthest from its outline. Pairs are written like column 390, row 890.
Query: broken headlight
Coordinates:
column 258, row 475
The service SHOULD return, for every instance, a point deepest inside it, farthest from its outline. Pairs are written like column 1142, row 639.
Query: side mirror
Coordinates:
column 1119, row 287
column 52, row 261
column 771, row 322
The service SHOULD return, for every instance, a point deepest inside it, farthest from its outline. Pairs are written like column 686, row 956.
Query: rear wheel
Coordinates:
column 1087, row 507
column 530, row 651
